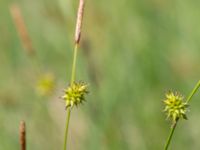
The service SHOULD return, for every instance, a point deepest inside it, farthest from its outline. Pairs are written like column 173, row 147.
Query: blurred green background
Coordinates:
column 131, row 53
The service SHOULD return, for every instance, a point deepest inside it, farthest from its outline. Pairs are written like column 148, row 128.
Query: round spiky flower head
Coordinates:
column 75, row 94
column 175, row 108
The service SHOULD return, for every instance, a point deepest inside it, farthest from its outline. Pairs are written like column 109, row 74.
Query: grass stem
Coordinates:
column 77, row 40
column 72, row 81
column 74, row 64
column 66, row 128
column 193, row 91
column 170, row 135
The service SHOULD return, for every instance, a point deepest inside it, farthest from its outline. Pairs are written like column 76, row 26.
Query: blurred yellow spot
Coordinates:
column 46, row 84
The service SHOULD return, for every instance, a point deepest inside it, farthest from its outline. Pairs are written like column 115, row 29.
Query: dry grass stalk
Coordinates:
column 79, row 21
column 21, row 28
column 22, row 132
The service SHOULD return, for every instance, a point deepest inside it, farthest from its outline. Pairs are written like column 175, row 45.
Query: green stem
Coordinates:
column 170, row 135
column 193, row 91
column 66, row 128
column 72, row 81
column 74, row 64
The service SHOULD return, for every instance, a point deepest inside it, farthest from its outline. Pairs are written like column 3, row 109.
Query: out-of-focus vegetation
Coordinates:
column 132, row 51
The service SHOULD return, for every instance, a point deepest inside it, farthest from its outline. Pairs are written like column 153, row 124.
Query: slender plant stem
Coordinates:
column 74, row 63
column 72, row 81
column 175, row 124
column 193, row 91
column 66, row 129
column 77, row 40
column 170, row 135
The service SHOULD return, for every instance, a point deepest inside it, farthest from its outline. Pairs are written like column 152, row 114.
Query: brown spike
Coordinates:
column 21, row 28
column 22, row 132
column 79, row 21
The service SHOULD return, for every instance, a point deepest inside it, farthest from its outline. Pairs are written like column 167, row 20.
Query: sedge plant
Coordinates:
column 176, row 108
column 76, row 91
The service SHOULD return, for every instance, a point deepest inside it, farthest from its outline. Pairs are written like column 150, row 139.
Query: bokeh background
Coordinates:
column 131, row 53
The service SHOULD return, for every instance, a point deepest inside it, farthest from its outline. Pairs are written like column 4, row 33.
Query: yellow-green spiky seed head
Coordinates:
column 175, row 108
column 75, row 94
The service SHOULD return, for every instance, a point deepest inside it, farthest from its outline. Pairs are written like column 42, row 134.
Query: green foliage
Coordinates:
column 133, row 50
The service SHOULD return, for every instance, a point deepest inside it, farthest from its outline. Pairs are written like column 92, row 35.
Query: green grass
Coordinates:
column 137, row 51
